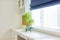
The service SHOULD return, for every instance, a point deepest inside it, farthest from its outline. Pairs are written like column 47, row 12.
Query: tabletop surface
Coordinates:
column 37, row 35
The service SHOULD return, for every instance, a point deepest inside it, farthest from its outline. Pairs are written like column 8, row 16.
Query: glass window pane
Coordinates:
column 50, row 17
column 36, row 16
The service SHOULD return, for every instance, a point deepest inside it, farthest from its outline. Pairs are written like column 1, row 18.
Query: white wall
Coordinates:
column 9, row 18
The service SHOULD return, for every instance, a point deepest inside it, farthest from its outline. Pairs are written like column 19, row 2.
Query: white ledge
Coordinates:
column 36, row 35
column 54, row 32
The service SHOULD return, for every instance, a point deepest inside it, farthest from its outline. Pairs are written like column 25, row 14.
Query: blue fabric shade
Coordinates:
column 43, row 3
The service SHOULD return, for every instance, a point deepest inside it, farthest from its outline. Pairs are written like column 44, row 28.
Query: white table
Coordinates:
column 33, row 36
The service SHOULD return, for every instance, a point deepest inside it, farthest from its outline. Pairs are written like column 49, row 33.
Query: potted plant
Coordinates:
column 28, row 20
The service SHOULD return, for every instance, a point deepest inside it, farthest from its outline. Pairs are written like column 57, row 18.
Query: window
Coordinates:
column 50, row 17
column 46, row 17
column 36, row 16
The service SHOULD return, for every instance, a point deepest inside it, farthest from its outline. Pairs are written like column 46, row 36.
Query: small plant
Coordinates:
column 28, row 19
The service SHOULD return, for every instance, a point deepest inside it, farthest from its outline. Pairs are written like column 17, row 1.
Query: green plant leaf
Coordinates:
column 28, row 19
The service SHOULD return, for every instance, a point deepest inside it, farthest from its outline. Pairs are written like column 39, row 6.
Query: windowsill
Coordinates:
column 49, row 29
column 54, row 32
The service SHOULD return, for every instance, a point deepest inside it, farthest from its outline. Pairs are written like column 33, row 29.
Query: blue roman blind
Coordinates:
column 43, row 3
